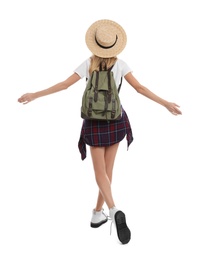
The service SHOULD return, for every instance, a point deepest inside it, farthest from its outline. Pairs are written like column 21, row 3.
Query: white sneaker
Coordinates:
column 98, row 218
column 119, row 219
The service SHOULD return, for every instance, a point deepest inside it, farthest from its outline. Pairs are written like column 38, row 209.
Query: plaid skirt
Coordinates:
column 104, row 133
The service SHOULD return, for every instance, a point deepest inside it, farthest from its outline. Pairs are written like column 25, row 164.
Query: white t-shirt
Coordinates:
column 120, row 69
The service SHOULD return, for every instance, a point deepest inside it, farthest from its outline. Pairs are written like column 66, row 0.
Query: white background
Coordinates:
column 46, row 192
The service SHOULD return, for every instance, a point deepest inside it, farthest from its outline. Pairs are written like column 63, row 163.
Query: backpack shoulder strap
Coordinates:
column 111, row 67
column 120, row 85
column 120, row 81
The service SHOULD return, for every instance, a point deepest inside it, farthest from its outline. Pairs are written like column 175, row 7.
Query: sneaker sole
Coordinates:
column 123, row 232
column 96, row 225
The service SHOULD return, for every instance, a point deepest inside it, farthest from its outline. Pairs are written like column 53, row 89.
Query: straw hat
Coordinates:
column 105, row 38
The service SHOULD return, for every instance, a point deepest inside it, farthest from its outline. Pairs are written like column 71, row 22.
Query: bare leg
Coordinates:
column 103, row 161
column 110, row 154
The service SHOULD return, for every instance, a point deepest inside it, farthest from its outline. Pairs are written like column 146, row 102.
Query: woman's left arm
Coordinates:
column 172, row 107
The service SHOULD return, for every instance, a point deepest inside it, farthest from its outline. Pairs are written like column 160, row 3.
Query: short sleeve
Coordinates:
column 120, row 69
column 83, row 69
column 124, row 68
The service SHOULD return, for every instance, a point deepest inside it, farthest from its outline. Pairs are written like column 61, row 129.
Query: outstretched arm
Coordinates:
column 172, row 107
column 28, row 97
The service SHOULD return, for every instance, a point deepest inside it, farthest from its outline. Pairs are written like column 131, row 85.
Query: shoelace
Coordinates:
column 111, row 227
column 108, row 218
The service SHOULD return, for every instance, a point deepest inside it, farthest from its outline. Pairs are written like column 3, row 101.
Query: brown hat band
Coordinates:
column 106, row 47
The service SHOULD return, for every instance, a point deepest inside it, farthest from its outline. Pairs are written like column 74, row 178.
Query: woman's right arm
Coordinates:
column 28, row 97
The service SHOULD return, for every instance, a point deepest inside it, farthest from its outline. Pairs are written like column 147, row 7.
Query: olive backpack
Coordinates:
column 100, row 100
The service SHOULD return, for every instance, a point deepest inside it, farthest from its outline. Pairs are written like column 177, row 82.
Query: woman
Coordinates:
column 105, row 39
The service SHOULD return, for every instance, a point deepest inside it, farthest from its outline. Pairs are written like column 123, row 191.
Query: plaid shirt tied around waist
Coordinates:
column 104, row 133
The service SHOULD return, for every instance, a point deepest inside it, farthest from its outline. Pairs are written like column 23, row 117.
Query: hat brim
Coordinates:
column 99, row 51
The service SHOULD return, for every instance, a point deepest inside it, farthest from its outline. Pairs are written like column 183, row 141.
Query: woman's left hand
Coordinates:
column 173, row 108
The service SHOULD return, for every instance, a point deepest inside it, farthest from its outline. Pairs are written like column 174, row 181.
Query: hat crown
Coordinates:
column 105, row 37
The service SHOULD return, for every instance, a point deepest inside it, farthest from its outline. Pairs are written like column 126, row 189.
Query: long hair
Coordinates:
column 96, row 62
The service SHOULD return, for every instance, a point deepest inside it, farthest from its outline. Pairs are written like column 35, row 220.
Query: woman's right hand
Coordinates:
column 26, row 98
